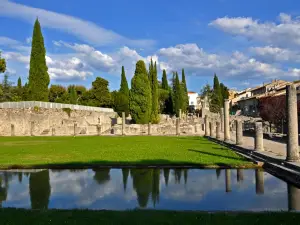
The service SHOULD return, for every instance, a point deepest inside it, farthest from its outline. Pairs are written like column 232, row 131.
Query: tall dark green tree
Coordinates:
column 38, row 73
column 164, row 81
column 185, row 98
column 73, row 95
column 39, row 189
column 140, row 102
column 154, row 91
column 177, row 95
column 19, row 89
column 122, row 97
column 224, row 92
column 216, row 98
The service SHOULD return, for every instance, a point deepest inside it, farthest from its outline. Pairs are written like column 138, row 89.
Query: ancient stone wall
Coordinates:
column 59, row 122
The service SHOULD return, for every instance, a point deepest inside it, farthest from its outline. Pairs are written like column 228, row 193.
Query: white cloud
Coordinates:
column 272, row 54
column 85, row 30
column 284, row 34
column 199, row 62
column 16, row 56
column 13, row 44
column 111, row 62
column 66, row 70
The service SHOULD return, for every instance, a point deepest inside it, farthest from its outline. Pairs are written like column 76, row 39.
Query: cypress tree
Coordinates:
column 185, row 98
column 73, row 95
column 140, row 95
column 19, row 83
column 224, row 92
column 177, row 94
column 216, row 98
column 38, row 75
column 20, row 89
column 154, row 90
column 122, row 98
column 164, row 81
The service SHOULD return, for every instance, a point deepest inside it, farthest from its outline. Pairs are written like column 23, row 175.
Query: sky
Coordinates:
column 246, row 43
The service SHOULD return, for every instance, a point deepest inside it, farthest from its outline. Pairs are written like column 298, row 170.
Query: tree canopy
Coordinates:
column 38, row 72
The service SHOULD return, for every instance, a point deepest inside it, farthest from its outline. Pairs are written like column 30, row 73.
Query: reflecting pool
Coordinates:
column 171, row 189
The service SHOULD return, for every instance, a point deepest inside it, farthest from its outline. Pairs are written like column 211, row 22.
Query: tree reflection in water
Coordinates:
column 39, row 189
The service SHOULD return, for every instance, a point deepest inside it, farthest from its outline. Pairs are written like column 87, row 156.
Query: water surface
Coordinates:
column 171, row 189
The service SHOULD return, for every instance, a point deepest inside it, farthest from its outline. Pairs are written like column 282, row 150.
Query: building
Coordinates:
column 232, row 94
column 249, row 105
column 194, row 100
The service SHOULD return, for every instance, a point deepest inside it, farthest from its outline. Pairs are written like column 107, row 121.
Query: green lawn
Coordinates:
column 80, row 217
column 52, row 152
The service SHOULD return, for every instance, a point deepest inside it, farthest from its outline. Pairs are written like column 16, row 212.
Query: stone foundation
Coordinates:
column 48, row 122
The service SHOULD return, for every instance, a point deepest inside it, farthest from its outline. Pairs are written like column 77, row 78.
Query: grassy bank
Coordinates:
column 79, row 217
column 51, row 152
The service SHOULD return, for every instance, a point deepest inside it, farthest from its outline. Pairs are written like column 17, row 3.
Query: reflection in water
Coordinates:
column 125, row 173
column 39, row 189
column 166, row 176
column 176, row 189
column 177, row 173
column 240, row 175
column 218, row 173
column 293, row 198
column 3, row 191
column 259, row 181
column 142, row 183
column 228, row 180
column 101, row 175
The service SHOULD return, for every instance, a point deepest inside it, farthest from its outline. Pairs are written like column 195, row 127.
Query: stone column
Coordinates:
column 239, row 175
column 177, row 126
column 226, row 121
column 293, row 198
column 149, row 128
column 206, row 126
column 123, row 123
column 228, row 180
column 12, row 130
column 99, row 129
column 180, row 113
column 292, row 121
column 218, row 130
column 259, row 137
column 222, row 119
column 31, row 128
column 212, row 129
column 53, row 131
column 239, row 132
column 259, row 181
column 75, row 126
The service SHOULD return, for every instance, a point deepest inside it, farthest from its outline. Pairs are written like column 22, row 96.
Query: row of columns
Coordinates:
column 292, row 146
column 259, row 180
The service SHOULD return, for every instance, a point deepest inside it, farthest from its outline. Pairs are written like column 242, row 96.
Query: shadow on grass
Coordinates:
column 218, row 155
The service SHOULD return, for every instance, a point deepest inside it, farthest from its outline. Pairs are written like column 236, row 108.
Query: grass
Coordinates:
column 80, row 217
column 55, row 152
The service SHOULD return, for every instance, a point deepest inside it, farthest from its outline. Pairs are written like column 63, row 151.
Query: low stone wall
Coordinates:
column 47, row 122
column 159, row 129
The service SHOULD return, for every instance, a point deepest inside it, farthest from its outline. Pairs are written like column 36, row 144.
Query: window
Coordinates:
column 192, row 103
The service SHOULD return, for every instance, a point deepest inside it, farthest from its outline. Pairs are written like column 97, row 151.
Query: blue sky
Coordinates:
column 245, row 43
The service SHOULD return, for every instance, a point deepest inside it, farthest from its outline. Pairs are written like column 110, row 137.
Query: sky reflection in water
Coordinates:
column 174, row 189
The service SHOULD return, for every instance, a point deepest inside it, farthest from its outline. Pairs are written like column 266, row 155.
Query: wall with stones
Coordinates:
column 47, row 122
